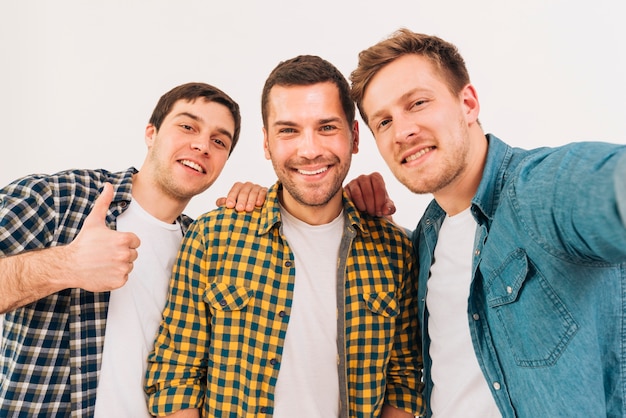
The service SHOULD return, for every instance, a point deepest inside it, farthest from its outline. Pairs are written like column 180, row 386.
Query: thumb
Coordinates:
column 98, row 214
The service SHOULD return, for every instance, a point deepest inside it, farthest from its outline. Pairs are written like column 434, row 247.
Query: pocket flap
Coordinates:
column 382, row 303
column 227, row 297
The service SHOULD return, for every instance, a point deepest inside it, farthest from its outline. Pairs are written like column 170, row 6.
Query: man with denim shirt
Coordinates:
column 304, row 307
column 522, row 253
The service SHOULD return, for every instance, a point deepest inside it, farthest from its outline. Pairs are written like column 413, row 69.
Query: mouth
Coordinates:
column 192, row 165
column 418, row 154
column 312, row 172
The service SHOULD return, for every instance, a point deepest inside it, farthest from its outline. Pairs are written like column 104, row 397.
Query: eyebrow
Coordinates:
column 199, row 119
column 320, row 121
column 402, row 98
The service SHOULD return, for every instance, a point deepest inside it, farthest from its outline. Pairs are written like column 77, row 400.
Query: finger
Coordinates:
column 97, row 216
column 232, row 197
column 383, row 204
column 256, row 197
column 243, row 197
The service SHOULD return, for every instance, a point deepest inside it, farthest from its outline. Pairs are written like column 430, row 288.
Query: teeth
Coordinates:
column 312, row 173
column 418, row 154
column 193, row 165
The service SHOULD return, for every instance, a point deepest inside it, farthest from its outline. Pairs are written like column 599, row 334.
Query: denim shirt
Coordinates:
column 547, row 303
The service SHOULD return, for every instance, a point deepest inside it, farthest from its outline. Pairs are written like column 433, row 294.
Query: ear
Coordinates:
column 150, row 135
column 355, row 137
column 470, row 103
column 266, row 144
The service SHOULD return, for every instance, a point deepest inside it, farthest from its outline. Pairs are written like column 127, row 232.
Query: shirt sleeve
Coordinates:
column 176, row 372
column 28, row 217
column 404, row 372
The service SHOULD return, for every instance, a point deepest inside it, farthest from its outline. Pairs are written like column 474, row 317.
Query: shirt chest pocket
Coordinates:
column 526, row 311
column 229, row 321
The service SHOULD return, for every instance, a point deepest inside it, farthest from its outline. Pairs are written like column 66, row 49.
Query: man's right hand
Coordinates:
column 99, row 259
column 102, row 257
column 369, row 194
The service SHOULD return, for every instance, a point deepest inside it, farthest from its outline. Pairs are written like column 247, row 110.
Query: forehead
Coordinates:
column 296, row 102
column 202, row 110
column 394, row 80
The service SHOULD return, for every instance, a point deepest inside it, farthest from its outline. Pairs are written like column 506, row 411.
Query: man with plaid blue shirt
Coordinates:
column 72, row 269
column 303, row 307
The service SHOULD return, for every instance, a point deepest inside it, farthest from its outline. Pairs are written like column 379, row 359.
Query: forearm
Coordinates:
column 33, row 275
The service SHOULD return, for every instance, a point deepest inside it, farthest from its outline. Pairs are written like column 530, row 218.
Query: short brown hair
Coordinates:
column 190, row 92
column 305, row 70
column 442, row 54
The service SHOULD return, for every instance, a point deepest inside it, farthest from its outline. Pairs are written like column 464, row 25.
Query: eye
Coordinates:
column 328, row 128
column 418, row 103
column 286, row 131
column 186, row 127
column 221, row 143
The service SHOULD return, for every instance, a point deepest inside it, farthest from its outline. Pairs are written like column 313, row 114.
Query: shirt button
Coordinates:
column 263, row 409
column 389, row 311
column 273, row 362
column 476, row 317
column 282, row 314
column 222, row 302
column 477, row 252
column 496, row 385
column 288, row 263
column 509, row 290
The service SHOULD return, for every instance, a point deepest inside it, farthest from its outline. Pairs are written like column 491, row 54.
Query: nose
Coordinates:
column 404, row 127
column 200, row 143
column 309, row 145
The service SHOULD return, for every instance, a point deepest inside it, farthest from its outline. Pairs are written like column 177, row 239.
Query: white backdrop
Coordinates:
column 79, row 79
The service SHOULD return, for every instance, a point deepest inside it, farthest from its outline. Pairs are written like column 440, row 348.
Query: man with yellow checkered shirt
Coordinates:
column 304, row 307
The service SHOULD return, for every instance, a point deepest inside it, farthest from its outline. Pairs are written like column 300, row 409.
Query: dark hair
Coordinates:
column 305, row 70
column 191, row 92
column 442, row 54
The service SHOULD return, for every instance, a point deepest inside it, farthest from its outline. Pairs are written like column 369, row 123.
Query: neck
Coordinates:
column 313, row 215
column 458, row 195
column 154, row 200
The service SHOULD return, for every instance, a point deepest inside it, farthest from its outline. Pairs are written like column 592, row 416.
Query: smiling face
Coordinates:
column 189, row 151
column 310, row 143
column 423, row 130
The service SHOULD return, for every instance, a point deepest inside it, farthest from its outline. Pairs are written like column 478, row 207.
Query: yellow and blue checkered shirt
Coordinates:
column 220, row 342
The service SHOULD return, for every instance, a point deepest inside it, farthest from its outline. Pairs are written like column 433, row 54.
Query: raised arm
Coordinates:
column 99, row 259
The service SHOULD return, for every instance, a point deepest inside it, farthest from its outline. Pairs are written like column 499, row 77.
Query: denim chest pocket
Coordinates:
column 534, row 320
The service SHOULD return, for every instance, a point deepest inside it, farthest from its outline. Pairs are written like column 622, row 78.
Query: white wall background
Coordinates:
column 79, row 79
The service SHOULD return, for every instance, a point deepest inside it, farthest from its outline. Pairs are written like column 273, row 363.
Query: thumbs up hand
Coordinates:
column 102, row 258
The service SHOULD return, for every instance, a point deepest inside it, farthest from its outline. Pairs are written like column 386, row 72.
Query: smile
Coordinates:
column 192, row 165
column 418, row 154
column 314, row 172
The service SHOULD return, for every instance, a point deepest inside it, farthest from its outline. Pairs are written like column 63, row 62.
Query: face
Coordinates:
column 310, row 143
column 189, row 151
column 420, row 126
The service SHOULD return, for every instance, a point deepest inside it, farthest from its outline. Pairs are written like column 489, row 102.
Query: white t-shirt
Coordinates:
column 308, row 381
column 459, row 387
column 135, row 314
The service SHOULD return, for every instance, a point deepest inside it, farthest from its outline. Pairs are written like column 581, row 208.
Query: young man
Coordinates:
column 522, row 254
column 303, row 307
column 72, row 269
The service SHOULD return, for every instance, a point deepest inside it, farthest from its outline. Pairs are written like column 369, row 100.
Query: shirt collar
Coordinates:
column 270, row 213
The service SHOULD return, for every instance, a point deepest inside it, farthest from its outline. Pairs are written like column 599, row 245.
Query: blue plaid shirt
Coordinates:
column 52, row 348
